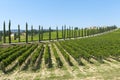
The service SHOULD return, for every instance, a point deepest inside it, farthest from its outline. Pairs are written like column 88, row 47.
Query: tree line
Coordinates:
column 67, row 32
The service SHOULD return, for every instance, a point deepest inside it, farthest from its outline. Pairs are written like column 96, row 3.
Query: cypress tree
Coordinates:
column 9, row 32
column 0, row 36
column 62, row 33
column 26, row 32
column 4, row 33
column 75, row 30
column 42, row 33
column 72, row 32
column 49, row 33
column 67, row 33
column 86, row 32
column 39, row 34
column 57, row 33
column 31, row 33
column 79, row 32
column 18, row 33
column 82, row 32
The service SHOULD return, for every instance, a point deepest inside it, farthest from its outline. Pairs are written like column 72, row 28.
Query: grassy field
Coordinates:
column 70, row 34
column 91, row 58
column 36, row 37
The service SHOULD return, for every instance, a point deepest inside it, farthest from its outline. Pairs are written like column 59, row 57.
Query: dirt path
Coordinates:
column 27, row 61
column 52, row 57
column 43, row 70
column 47, row 73
column 69, row 68
column 89, row 67
column 113, row 63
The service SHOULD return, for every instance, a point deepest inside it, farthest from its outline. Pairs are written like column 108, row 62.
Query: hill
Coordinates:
column 95, row 57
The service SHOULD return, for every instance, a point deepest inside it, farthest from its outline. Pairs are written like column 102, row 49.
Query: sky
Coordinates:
column 52, row 13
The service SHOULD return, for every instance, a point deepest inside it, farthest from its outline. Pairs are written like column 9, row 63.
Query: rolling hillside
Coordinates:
column 95, row 57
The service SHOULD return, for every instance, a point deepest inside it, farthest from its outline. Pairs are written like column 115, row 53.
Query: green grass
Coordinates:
column 45, row 36
column 36, row 37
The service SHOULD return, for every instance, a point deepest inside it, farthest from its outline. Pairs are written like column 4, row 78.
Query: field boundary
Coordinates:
column 44, row 41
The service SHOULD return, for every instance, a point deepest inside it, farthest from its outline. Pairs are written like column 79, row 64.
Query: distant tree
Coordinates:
column 26, row 32
column 82, row 32
column 57, row 33
column 78, row 32
column 31, row 33
column 64, row 32
column 75, row 31
column 4, row 33
column 9, row 32
column 42, row 33
column 88, row 32
column 72, row 32
column 114, row 26
column 49, row 33
column 0, row 35
column 39, row 34
column 76, row 28
column 18, row 33
column 69, row 32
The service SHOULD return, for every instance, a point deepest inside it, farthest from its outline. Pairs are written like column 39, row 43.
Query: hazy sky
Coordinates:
column 80, row 13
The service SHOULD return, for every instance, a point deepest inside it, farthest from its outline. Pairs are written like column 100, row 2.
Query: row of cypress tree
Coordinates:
column 69, row 32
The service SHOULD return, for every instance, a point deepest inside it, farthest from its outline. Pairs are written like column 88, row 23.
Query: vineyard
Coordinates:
column 94, row 57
